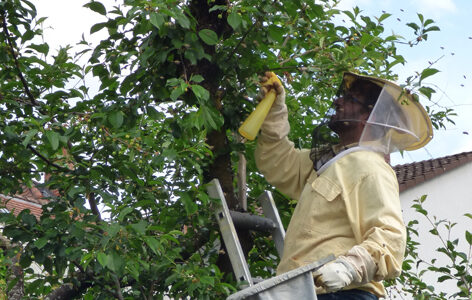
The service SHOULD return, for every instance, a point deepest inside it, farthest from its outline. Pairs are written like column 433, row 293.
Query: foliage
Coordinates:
column 455, row 266
column 3, row 275
column 126, row 166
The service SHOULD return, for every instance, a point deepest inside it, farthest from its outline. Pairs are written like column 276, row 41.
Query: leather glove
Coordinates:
column 335, row 275
column 268, row 82
column 275, row 126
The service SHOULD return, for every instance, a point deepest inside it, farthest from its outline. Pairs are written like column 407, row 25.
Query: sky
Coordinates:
column 451, row 47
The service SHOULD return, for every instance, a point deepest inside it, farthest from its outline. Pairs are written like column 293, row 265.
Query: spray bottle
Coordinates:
column 252, row 124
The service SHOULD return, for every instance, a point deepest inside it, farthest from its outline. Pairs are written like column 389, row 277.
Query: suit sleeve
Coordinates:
column 283, row 166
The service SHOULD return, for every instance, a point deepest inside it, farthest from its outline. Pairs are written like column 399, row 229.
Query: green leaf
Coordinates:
column 218, row 7
column 29, row 34
column 173, row 82
column 41, row 20
column 156, row 19
column 133, row 268
column 468, row 237
column 413, row 25
column 125, row 211
column 29, row 136
column 427, row 91
column 444, row 278
column 366, row 39
column 207, row 280
column 112, row 230
column 181, row 18
column 190, row 206
column 276, row 33
column 384, row 16
column 41, row 242
column 176, row 92
column 208, row 36
column 75, row 190
column 98, row 27
column 350, row 15
column 420, row 16
column 196, row 78
column 234, row 20
column 432, row 28
column 427, row 22
column 115, row 262
column 116, row 119
column 191, row 55
column 28, row 218
column 200, row 92
column 102, row 258
column 53, row 138
column 428, row 72
column 41, row 48
column 153, row 113
column 423, row 198
column 211, row 118
column 97, row 7
column 153, row 244
column 140, row 227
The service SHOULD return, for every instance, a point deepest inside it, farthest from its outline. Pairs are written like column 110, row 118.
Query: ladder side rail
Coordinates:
column 271, row 212
column 230, row 237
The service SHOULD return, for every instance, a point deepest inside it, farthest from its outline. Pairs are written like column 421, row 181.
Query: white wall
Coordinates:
column 449, row 196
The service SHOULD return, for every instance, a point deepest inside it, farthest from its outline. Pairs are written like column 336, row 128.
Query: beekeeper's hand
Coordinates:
column 268, row 82
column 335, row 275
column 275, row 126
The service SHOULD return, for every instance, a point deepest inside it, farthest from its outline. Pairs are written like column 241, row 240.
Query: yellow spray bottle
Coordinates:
column 252, row 124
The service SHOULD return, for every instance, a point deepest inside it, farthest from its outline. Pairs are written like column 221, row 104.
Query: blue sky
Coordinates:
column 68, row 20
column 453, row 47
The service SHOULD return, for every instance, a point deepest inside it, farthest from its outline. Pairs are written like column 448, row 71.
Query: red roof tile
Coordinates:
column 409, row 175
column 30, row 198
column 16, row 205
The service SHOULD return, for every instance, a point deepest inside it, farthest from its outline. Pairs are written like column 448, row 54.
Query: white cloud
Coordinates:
column 437, row 6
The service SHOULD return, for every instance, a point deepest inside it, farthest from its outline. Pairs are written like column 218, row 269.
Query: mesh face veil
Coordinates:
column 389, row 117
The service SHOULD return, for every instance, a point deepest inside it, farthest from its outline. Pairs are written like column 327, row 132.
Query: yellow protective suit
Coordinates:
column 353, row 205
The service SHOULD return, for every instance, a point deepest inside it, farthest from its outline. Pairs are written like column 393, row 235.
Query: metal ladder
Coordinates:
column 229, row 220
column 293, row 285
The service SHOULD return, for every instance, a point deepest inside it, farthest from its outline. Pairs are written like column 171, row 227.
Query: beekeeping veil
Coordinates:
column 397, row 121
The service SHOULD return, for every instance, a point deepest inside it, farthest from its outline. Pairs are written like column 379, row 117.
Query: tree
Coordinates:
column 455, row 264
column 130, row 217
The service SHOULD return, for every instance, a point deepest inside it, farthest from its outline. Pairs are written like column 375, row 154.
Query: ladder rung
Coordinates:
column 252, row 222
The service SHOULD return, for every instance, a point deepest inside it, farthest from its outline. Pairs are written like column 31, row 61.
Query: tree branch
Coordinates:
column 69, row 291
column 50, row 163
column 242, row 182
column 17, row 64
column 118, row 288
column 243, row 38
column 299, row 55
column 93, row 205
column 15, row 276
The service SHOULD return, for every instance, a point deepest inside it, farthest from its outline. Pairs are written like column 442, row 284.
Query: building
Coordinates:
column 447, row 184
column 31, row 198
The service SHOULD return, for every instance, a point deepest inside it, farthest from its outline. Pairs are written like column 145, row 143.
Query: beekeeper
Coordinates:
column 348, row 198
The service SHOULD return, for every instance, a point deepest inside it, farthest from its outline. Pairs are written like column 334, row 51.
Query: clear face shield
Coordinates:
column 381, row 116
column 397, row 122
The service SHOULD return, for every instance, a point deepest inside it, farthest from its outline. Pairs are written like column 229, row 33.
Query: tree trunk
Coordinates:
column 15, row 273
column 221, row 167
